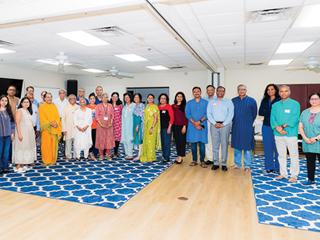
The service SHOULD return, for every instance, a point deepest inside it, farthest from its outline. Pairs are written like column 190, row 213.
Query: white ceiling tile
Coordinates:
column 25, row 31
column 222, row 20
column 192, row 22
column 217, row 30
column 135, row 28
column 254, row 5
column 129, row 17
column 56, row 27
column 90, row 22
column 268, row 26
column 217, row 7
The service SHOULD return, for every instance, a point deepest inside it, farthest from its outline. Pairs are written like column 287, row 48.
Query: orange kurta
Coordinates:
column 50, row 136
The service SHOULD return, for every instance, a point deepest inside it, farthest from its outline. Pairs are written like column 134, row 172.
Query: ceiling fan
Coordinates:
column 61, row 60
column 311, row 64
column 113, row 72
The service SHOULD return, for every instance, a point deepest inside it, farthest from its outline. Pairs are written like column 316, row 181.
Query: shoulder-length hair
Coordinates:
column 163, row 94
column 130, row 96
column 8, row 108
column 266, row 96
column 30, row 105
column 183, row 102
column 118, row 102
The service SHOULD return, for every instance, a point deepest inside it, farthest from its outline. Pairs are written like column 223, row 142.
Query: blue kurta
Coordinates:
column 196, row 110
column 127, row 123
column 245, row 112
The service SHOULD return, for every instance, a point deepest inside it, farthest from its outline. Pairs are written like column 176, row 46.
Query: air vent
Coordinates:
column 6, row 44
column 256, row 64
column 109, row 31
column 177, row 67
column 269, row 15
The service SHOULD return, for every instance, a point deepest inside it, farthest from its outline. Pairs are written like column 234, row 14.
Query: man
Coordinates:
column 35, row 115
column 220, row 112
column 99, row 91
column 61, row 101
column 245, row 112
column 67, row 121
column 209, row 150
column 13, row 100
column 196, row 113
column 284, row 122
column 81, row 93
column 42, row 96
column 30, row 89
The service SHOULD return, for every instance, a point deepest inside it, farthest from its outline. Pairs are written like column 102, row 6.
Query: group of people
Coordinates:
column 98, row 124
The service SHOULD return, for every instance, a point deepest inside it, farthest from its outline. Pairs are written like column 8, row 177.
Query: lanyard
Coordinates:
column 105, row 111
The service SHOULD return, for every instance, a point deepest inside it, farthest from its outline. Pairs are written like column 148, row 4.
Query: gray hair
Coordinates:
column 286, row 86
column 71, row 95
column 103, row 94
column 242, row 85
column 62, row 90
column 99, row 87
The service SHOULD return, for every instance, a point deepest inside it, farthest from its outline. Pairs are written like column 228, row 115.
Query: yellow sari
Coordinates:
column 50, row 136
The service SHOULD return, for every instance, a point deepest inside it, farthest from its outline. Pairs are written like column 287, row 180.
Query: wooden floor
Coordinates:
column 221, row 205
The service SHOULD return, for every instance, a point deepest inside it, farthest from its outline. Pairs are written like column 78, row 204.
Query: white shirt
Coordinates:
column 60, row 104
column 35, row 117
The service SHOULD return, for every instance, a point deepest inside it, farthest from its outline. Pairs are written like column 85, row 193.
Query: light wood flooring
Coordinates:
column 221, row 205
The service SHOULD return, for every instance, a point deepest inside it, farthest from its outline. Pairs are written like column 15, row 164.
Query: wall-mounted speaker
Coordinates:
column 72, row 87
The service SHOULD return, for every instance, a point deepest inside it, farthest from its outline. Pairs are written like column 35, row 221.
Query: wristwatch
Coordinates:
column 316, row 139
column 151, row 127
column 282, row 126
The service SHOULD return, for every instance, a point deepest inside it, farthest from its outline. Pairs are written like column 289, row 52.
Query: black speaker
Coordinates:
column 72, row 87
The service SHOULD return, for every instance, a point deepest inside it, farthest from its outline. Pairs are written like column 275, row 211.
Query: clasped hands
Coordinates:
column 281, row 131
column 54, row 124
column 310, row 140
column 82, row 129
column 197, row 125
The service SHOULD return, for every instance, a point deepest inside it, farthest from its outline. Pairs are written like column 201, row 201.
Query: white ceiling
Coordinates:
column 220, row 32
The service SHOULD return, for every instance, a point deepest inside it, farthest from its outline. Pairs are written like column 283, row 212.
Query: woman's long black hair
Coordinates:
column 183, row 102
column 119, row 102
column 266, row 96
column 8, row 108
column 30, row 105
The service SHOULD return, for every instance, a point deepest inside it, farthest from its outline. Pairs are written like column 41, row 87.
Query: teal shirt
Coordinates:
column 286, row 112
column 311, row 130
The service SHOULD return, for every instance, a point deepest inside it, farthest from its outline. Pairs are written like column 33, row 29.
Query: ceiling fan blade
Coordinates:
column 296, row 68
column 317, row 69
column 60, row 68
column 76, row 66
column 119, row 76
column 126, row 74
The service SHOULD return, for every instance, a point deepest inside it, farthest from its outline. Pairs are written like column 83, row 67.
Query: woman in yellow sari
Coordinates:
column 50, row 131
column 151, row 137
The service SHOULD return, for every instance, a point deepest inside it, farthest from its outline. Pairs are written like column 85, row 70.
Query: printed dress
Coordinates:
column 138, row 120
column 117, row 122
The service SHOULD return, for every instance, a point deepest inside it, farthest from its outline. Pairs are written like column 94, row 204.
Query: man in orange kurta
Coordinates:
column 50, row 131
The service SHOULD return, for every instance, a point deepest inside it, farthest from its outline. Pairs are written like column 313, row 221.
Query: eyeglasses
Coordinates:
column 314, row 99
column 11, row 90
column 105, row 97
column 220, row 90
column 72, row 98
column 81, row 91
column 242, row 89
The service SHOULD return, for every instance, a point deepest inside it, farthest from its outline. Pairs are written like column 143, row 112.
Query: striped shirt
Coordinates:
column 6, row 126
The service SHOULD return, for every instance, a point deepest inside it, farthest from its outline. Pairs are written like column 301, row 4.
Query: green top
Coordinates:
column 286, row 112
column 311, row 130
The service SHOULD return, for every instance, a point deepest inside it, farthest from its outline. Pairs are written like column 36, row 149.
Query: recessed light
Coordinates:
column 280, row 62
column 131, row 57
column 293, row 47
column 157, row 67
column 93, row 70
column 83, row 38
column 2, row 50
column 308, row 17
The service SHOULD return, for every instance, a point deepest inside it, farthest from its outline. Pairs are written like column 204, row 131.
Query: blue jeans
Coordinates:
column 270, row 149
column 4, row 152
column 246, row 158
column 194, row 150
column 165, row 143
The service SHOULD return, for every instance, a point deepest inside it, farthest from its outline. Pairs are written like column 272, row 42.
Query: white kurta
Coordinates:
column 82, row 140
column 67, row 120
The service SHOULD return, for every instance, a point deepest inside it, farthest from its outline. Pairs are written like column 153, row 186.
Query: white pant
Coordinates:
column 68, row 146
column 85, row 153
column 291, row 143
column 209, row 150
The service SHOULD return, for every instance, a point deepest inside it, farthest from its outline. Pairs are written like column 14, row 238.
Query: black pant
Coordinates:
column 116, row 147
column 180, row 140
column 93, row 136
column 311, row 164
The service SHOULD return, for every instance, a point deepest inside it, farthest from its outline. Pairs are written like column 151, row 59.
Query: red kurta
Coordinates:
column 117, row 122
column 104, row 136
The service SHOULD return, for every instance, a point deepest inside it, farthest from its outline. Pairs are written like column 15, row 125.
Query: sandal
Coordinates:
column 193, row 163
column 86, row 159
column 114, row 156
column 179, row 162
column 203, row 165
column 77, row 159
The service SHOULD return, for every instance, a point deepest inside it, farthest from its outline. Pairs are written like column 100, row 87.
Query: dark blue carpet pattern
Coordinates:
column 106, row 183
column 286, row 204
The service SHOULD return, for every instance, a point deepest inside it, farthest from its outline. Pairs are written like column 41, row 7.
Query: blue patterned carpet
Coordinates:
column 285, row 204
column 107, row 183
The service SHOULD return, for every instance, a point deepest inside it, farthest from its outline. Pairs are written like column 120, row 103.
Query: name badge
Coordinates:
column 149, row 109
column 163, row 111
column 105, row 118
column 115, row 108
column 58, row 106
column 214, row 104
column 287, row 110
column 129, row 109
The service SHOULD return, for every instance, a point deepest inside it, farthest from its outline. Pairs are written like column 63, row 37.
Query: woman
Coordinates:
column 166, row 121
column 50, row 131
column 127, row 124
column 180, row 125
column 271, row 96
column 309, row 127
column 104, row 117
column 151, row 139
column 24, row 146
column 117, row 121
column 6, row 133
column 92, row 106
column 138, row 123
column 82, row 131
column 42, row 97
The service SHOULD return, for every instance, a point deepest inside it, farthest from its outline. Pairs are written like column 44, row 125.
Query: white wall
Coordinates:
column 176, row 81
column 36, row 78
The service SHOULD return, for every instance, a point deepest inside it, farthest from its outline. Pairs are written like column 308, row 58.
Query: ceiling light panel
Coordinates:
column 158, row 67
column 83, row 38
column 280, row 62
column 2, row 50
column 293, row 47
column 93, row 70
column 308, row 17
column 131, row 57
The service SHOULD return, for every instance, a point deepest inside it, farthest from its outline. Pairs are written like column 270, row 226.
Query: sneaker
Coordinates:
column 26, row 168
column 308, row 183
column 268, row 171
column 20, row 170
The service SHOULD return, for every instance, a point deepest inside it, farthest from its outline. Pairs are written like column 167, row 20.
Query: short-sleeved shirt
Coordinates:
column 311, row 130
